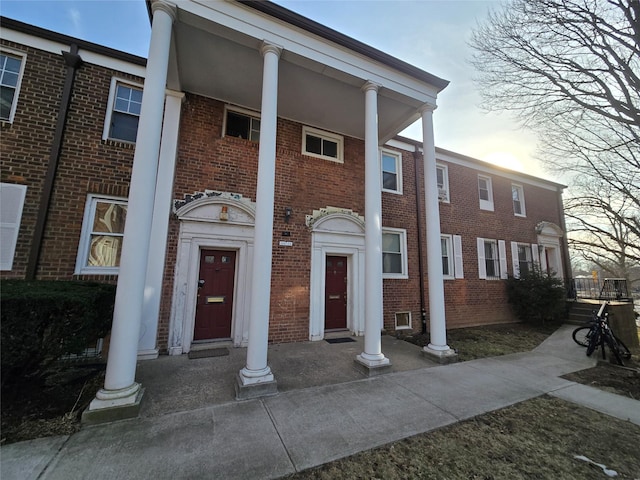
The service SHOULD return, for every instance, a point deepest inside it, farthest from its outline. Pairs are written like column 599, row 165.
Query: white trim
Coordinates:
column 242, row 111
column 523, row 209
column 458, row 259
column 486, row 204
column 111, row 103
column 323, row 135
column 398, row 158
column 200, row 228
column 8, row 244
column 482, row 266
column 84, row 244
column 337, row 234
column 515, row 260
column 403, row 253
column 502, row 253
column 403, row 327
column 16, row 95
column 451, row 256
column 443, row 193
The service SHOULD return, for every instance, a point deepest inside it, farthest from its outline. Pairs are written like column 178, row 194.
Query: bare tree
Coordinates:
column 570, row 71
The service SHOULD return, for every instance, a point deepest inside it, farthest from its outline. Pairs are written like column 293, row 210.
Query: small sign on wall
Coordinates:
column 286, row 244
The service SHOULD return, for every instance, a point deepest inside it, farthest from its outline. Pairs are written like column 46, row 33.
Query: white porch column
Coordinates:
column 437, row 324
column 120, row 389
column 256, row 379
column 147, row 343
column 372, row 357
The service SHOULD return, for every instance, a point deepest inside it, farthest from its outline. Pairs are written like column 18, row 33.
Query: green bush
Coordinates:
column 537, row 296
column 43, row 320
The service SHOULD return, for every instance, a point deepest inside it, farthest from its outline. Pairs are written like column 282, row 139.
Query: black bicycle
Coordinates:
column 598, row 333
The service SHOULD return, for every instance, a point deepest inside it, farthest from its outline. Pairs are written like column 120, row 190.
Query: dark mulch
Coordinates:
column 612, row 378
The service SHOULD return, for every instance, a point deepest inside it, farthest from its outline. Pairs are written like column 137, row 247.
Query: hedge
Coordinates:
column 43, row 320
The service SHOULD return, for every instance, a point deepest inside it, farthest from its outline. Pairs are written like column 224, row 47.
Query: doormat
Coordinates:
column 210, row 352
column 339, row 340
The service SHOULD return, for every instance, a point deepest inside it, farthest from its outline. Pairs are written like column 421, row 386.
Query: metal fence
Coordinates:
column 606, row 289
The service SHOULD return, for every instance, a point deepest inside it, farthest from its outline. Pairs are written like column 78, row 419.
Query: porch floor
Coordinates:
column 176, row 383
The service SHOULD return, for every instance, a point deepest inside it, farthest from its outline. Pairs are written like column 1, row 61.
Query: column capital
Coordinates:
column 267, row 47
column 369, row 85
column 166, row 7
column 427, row 107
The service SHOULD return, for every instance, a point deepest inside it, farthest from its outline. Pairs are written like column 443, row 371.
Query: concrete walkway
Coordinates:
column 190, row 427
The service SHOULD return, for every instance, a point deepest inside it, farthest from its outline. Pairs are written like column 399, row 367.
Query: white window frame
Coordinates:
column 520, row 189
column 10, row 194
column 486, row 204
column 85, row 237
column 253, row 115
column 323, row 135
column 443, row 191
column 403, row 253
column 16, row 95
column 515, row 258
column 115, row 81
column 403, row 327
column 455, row 261
column 398, row 158
column 502, row 259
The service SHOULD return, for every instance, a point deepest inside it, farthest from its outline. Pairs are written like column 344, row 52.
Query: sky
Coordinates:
column 430, row 34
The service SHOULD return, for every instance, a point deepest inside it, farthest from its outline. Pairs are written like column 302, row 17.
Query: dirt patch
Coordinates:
column 50, row 405
column 536, row 439
column 612, row 378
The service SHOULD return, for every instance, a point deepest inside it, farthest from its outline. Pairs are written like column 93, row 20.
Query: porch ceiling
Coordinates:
column 216, row 55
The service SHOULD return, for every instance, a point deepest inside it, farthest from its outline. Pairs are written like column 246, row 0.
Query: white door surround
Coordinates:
column 549, row 235
column 216, row 220
column 336, row 231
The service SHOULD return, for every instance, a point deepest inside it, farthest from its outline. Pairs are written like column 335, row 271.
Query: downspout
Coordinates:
column 73, row 62
column 566, row 260
column 423, row 311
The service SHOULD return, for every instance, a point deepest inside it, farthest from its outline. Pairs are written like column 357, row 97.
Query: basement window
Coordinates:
column 403, row 320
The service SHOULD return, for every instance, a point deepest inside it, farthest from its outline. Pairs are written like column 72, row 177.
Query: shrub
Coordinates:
column 536, row 296
column 44, row 320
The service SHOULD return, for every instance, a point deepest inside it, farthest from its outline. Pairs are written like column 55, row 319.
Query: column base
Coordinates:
column 441, row 356
column 109, row 407
column 148, row 354
column 255, row 383
column 372, row 366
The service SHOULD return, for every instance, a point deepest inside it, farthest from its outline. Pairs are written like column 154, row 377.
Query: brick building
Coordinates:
column 270, row 142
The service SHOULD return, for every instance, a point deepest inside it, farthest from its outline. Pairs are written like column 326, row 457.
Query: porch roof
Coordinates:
column 215, row 53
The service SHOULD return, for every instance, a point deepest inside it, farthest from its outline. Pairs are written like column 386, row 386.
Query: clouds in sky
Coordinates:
column 430, row 34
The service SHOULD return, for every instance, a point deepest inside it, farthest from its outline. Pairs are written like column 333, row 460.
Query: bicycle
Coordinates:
column 599, row 334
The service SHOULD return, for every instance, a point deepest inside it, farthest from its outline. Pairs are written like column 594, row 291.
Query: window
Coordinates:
column 11, row 203
column 125, row 102
column 524, row 256
column 451, row 246
column 317, row 143
column 517, row 192
column 442, row 178
column 242, row 124
column 485, row 192
column 394, row 258
column 391, row 171
column 492, row 260
column 11, row 69
column 403, row 320
column 102, row 234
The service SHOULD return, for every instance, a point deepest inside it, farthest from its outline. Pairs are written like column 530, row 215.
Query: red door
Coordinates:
column 215, row 295
column 335, row 300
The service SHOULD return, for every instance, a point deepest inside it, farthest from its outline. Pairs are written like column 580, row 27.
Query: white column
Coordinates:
column 437, row 323
column 120, row 389
column 147, row 343
column 257, row 371
column 372, row 355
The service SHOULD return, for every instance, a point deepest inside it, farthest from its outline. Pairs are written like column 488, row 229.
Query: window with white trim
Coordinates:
column 442, row 178
column 524, row 257
column 11, row 71
column 451, row 247
column 123, row 111
column 517, row 193
column 485, row 192
column 242, row 123
column 11, row 204
column 492, row 259
column 403, row 320
column 321, row 144
column 394, row 253
column 102, row 234
column 391, row 163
